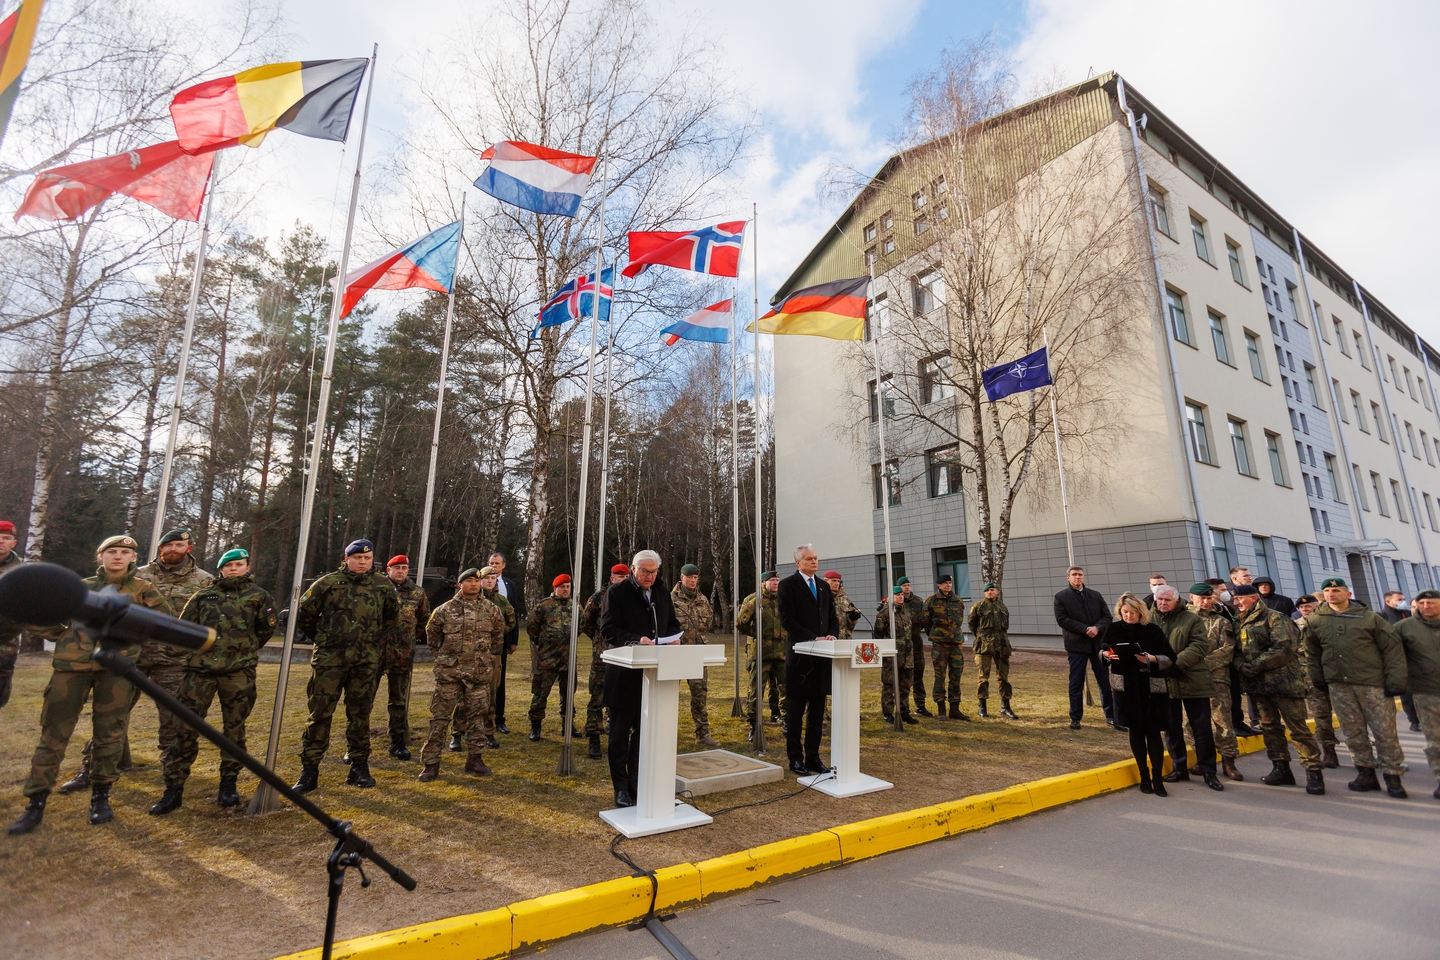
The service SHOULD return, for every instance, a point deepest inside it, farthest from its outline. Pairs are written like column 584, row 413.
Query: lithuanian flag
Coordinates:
column 17, row 33
column 313, row 98
column 835, row 310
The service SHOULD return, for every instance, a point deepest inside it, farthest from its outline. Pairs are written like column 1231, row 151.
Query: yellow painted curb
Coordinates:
column 475, row 936
column 870, row 838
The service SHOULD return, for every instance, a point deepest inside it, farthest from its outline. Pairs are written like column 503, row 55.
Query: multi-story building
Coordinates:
column 1281, row 418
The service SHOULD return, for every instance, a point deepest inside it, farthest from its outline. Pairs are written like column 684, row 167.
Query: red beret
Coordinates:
column 7, row 527
column 831, row 575
column 563, row 578
column 620, row 568
column 398, row 558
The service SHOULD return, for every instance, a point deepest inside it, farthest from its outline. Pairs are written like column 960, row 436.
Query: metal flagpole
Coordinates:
column 158, row 527
column 439, row 405
column 758, row 738
column 265, row 799
column 565, row 767
column 737, row 709
column 886, row 598
column 1059, row 457
column 600, row 574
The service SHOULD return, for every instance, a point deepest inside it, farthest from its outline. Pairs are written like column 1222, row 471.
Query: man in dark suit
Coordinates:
column 1083, row 618
column 807, row 612
column 513, row 592
column 637, row 610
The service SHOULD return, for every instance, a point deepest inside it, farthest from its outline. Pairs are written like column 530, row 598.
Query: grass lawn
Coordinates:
column 205, row 882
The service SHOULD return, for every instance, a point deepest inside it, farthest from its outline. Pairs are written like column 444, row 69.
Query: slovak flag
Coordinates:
column 714, row 250
column 536, row 178
column 711, row 325
column 576, row 300
column 428, row 263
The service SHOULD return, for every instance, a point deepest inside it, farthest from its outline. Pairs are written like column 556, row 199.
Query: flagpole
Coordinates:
column 439, row 404
column 565, row 767
column 265, row 799
column 758, row 738
column 196, row 280
column 885, row 594
column 737, row 709
column 1059, row 457
column 600, row 577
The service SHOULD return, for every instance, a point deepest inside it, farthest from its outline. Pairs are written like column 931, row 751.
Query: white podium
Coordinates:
column 656, row 809
column 847, row 658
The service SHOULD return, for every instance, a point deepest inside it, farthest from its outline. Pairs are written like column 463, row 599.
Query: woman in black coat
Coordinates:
column 1137, row 678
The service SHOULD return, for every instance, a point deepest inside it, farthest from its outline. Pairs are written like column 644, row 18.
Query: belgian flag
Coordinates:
column 313, row 98
column 835, row 310
column 17, row 34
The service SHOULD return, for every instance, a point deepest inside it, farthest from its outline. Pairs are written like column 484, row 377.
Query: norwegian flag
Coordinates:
column 714, row 250
column 575, row 300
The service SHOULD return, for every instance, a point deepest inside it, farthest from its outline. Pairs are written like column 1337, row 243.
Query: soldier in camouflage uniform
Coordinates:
column 845, row 609
column 348, row 614
column 242, row 615
column 1420, row 636
column 902, row 657
column 397, row 659
column 1317, row 704
column 77, row 677
column 943, row 618
column 549, row 631
column 772, row 650
column 9, row 630
column 465, row 633
column 1268, row 659
column 916, row 608
column 1220, row 634
column 696, row 616
column 990, row 624
column 489, row 578
column 590, row 626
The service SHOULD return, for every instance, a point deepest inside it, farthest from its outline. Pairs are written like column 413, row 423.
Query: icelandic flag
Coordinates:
column 428, row 263
column 576, row 300
column 711, row 325
column 536, row 178
column 1030, row 372
column 714, row 250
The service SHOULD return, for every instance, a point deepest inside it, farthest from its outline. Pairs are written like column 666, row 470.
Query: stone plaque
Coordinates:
column 715, row 771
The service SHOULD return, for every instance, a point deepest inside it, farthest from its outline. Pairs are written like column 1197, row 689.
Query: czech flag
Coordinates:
column 835, row 310
column 713, row 250
column 536, row 178
column 164, row 176
column 313, row 98
column 17, row 34
column 710, row 325
column 428, row 263
column 576, row 300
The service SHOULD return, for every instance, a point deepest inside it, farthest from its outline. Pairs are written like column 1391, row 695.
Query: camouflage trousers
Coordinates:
column 1318, row 705
column 1427, row 705
column 355, row 683
column 236, row 690
column 7, row 676
column 167, row 676
column 1280, row 713
column 595, row 709
column 773, row 675
column 917, row 679
column 397, row 674
column 470, row 695
column 949, row 658
column 1363, row 709
column 1221, row 717
column 887, row 680
column 1002, row 670
column 461, row 718
column 700, row 705
column 65, row 697
column 541, row 683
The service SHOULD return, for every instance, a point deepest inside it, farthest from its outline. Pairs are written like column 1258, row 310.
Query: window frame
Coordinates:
column 1175, row 306
column 1314, row 387
column 949, row 467
column 1159, row 210
column 1395, row 493
column 892, row 478
column 1257, row 358
column 1202, row 241
column 1277, row 459
column 1219, row 338
column 1237, row 264
column 936, row 380
column 1379, row 493
column 1240, row 447
column 1332, row 470
column 1200, row 446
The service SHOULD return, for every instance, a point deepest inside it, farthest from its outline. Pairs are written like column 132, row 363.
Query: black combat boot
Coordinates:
column 169, row 801
column 455, row 745
column 491, row 742
column 1315, row 782
column 594, row 753
column 1394, row 787
column 35, row 812
column 1280, row 775
column 227, row 796
column 100, row 811
column 80, row 781
column 534, row 731
column 1005, row 710
column 1328, row 758
column 907, row 717
column 398, row 750
column 920, row 707
column 984, row 711
column 360, row 775
column 1364, row 780
column 956, row 713
column 309, row 779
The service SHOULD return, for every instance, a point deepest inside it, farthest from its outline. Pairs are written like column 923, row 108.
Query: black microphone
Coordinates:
column 44, row 594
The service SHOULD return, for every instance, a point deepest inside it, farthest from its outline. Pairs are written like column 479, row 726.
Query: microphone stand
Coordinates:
column 350, row 848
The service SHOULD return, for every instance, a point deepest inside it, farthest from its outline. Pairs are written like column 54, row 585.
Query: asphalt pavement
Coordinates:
column 1255, row 871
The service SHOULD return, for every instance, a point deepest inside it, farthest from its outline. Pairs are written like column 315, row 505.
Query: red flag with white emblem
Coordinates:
column 164, row 176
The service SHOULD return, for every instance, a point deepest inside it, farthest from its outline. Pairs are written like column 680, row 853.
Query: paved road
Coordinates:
column 1256, row 871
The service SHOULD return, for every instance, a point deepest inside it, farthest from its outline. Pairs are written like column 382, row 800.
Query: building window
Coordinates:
column 955, row 562
column 889, row 393
column 1359, row 413
column 935, row 378
column 892, row 482
column 870, row 257
column 1379, row 493
column 1430, row 511
column 1199, row 437
column 942, row 212
column 1399, row 499
column 942, row 466
column 1242, row 449
column 887, row 246
column 897, row 569
column 1394, row 373
column 1237, row 269
column 1360, row 350
column 877, row 314
column 1220, row 547
column 1410, row 435
column 1179, row 325
column 938, row 186
column 917, row 200
column 1277, row 459
column 1340, row 335
column 1379, row 421
column 1197, row 229
column 1290, row 294
column 1339, row 407
column 1319, row 325
column 1410, row 384
column 1217, row 336
column 1314, row 388
column 870, row 232
column 1263, row 567
column 1302, row 568
column 1424, row 392
column 927, row 291
column 1157, row 210
column 1422, row 576
column 1359, row 487
column 1332, row 469
column 921, row 225
column 1257, row 363
column 1425, row 445
column 887, row 222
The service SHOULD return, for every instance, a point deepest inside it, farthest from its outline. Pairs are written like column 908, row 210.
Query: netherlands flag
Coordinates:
column 536, row 178
column 711, row 325
column 428, row 263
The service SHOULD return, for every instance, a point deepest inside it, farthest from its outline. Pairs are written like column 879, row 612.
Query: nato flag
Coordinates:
column 1028, row 373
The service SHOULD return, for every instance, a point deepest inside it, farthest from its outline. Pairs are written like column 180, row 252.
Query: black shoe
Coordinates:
column 1394, row 787
column 100, row 811
column 309, row 779
column 984, row 711
column 1110, row 721
column 1006, row 712
column 774, row 718
column 491, row 742
column 534, row 731
column 81, row 781
column 1414, row 728
column 227, row 796
column 501, row 728
column 1280, row 775
column 1074, row 724
column 907, row 718
column 360, row 775
column 1364, row 780
column 455, row 745
column 1245, row 730
column 169, row 802
column 1145, row 787
column 816, row 767
column 346, row 758
column 35, row 812
column 1213, row 782
column 920, row 709
column 399, row 751
column 1160, row 788
column 1177, row 775
column 888, row 717
column 798, row 768
column 623, row 798
column 1315, row 782
column 594, row 752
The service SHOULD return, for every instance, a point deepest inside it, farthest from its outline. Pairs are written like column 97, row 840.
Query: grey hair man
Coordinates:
column 807, row 612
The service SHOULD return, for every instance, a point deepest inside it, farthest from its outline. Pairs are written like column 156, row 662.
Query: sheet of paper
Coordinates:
column 674, row 639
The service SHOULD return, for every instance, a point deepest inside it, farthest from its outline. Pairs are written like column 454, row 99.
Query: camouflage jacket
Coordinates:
column 1357, row 646
column 348, row 616
column 590, row 621
column 915, row 607
column 1267, row 641
column 693, row 611
column 465, row 636
column 409, row 620
column 10, row 630
column 990, row 623
column 507, row 610
column 74, row 648
column 549, row 631
column 1420, row 637
column 1189, row 677
column 1220, row 632
column 243, row 616
column 847, row 613
column 943, row 618
column 902, row 624
column 773, row 642
column 177, row 586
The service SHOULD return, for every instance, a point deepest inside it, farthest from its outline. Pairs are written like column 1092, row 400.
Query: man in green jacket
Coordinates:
column 772, row 651
column 916, row 608
column 693, row 610
column 1356, row 654
column 178, row 577
column 943, row 619
column 901, row 614
column 990, row 624
column 397, row 658
column 1220, row 633
column 1273, row 673
column 1420, row 636
column 548, row 629
column 1190, row 687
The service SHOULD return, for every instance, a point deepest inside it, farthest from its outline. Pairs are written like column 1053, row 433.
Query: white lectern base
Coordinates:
column 629, row 822
column 827, row 784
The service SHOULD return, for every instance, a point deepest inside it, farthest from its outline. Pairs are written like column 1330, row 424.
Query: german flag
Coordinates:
column 17, row 34
column 313, row 98
column 835, row 310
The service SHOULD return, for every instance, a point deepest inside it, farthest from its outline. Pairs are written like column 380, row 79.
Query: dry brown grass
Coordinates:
column 204, row 882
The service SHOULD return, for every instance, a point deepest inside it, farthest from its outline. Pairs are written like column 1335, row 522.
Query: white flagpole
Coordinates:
column 600, row 576
column 759, row 729
column 157, row 528
column 265, row 799
column 439, row 406
column 885, row 594
column 737, row 709
column 565, row 767
column 1059, row 457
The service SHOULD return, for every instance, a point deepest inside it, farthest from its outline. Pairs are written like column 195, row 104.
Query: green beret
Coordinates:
column 1333, row 582
column 467, row 573
column 232, row 555
column 897, row 591
column 178, row 535
column 1428, row 595
column 988, row 586
column 768, row 575
column 689, row 570
column 902, row 581
column 1201, row 590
